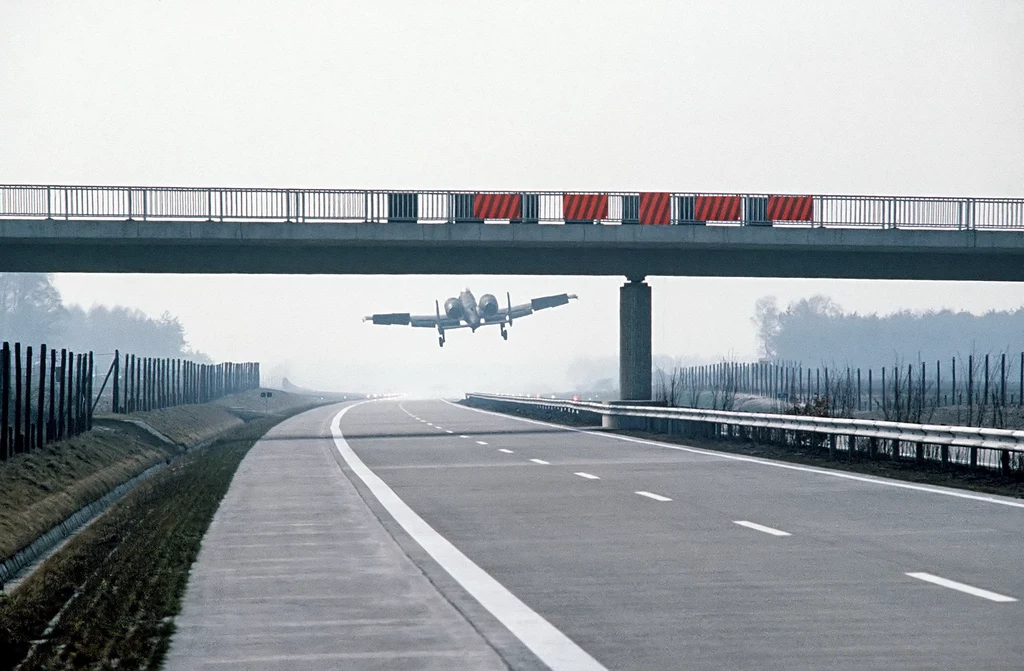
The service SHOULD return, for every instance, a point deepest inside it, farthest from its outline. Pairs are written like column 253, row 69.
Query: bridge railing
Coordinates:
column 1001, row 449
column 536, row 207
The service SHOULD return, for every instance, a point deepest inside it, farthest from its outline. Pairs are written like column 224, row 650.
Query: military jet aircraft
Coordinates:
column 464, row 312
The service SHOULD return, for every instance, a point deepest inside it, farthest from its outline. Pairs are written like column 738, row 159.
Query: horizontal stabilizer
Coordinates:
column 550, row 301
column 397, row 319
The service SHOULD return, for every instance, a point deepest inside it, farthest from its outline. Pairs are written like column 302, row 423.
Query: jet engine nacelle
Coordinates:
column 453, row 308
column 488, row 305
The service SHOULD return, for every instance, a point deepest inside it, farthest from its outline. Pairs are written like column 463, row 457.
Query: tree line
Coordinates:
column 32, row 311
column 817, row 331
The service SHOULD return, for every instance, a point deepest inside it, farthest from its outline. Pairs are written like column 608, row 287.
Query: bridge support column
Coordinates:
column 635, row 340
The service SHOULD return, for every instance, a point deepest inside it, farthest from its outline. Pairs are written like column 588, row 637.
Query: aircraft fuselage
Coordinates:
column 469, row 310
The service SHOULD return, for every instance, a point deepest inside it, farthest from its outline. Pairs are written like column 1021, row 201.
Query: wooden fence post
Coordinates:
column 5, row 399
column 41, row 405
column 63, row 380
column 28, row 400
column 88, row 397
column 52, row 421
column 17, row 398
column 115, row 405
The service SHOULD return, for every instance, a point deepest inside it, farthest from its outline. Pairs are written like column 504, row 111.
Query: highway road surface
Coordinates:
column 569, row 549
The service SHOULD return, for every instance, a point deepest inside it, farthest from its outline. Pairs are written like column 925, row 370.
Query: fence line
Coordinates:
column 979, row 382
column 653, row 208
column 43, row 401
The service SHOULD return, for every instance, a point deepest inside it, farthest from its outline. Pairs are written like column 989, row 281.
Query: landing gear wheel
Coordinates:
column 440, row 341
column 504, row 334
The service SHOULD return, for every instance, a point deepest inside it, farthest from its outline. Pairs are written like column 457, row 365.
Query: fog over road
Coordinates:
column 658, row 558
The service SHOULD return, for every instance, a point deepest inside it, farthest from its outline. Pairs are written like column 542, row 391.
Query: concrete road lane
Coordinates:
column 296, row 572
column 672, row 581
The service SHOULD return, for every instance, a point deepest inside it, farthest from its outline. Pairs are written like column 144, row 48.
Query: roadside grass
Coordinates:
column 119, row 583
column 187, row 424
column 41, row 489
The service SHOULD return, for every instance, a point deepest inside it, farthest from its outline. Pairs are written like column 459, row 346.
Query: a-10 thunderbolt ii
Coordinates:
column 465, row 313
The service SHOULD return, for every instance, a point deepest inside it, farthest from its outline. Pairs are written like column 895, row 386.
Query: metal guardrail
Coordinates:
column 975, row 446
column 550, row 207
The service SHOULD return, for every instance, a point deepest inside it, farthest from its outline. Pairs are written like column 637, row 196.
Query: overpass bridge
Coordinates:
column 46, row 228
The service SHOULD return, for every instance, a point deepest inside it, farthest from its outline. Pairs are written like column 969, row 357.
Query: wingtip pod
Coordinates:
column 573, row 297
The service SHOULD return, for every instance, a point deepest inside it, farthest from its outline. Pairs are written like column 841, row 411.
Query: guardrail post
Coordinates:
column 919, row 452
column 832, row 446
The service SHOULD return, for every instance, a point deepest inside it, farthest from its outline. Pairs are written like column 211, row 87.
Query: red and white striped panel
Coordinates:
column 717, row 208
column 790, row 208
column 498, row 206
column 655, row 208
column 584, row 206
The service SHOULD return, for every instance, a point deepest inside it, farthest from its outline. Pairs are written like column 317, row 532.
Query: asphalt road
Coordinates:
column 634, row 551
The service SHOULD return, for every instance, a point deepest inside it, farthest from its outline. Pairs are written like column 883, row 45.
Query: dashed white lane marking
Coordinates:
column 463, row 436
column 480, row 442
column 549, row 644
column 541, row 462
column 429, row 424
column 502, row 449
column 762, row 462
column 761, row 527
column 588, row 476
column 961, row 587
column 656, row 497
column 448, row 431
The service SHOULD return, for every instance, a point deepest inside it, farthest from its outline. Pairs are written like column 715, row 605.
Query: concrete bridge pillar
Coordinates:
column 635, row 340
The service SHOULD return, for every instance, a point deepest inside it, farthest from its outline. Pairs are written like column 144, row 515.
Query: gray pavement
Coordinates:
column 296, row 572
column 641, row 583
column 628, row 550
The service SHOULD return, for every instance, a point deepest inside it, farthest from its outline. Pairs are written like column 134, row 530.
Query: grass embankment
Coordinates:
column 120, row 581
column 39, row 490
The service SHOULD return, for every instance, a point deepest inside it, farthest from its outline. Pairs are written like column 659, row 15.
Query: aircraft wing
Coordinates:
column 419, row 321
column 506, row 314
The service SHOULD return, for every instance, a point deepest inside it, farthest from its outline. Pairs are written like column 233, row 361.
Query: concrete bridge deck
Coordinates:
column 30, row 245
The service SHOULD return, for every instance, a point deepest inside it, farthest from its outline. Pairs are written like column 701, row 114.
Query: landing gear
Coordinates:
column 440, row 341
column 504, row 333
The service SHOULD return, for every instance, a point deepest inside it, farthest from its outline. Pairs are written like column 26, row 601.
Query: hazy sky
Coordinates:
column 919, row 98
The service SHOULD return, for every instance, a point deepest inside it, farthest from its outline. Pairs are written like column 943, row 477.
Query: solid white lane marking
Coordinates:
column 541, row 462
column 763, row 462
column 961, row 587
column 761, row 527
column 588, row 476
column 480, row 442
column 502, row 449
column 656, row 497
column 549, row 644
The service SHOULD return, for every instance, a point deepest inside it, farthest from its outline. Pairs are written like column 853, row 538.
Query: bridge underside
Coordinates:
column 414, row 249
column 398, row 248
